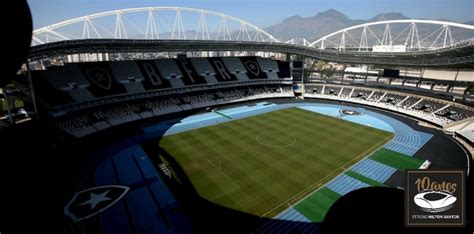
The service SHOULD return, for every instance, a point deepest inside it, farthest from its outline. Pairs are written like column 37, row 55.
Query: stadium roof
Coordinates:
column 460, row 55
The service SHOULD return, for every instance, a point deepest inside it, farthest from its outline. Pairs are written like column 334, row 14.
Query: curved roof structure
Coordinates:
column 437, row 34
column 153, row 23
column 183, row 23
column 181, row 29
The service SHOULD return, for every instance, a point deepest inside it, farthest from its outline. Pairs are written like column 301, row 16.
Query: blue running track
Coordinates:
column 374, row 170
column 298, row 222
column 344, row 184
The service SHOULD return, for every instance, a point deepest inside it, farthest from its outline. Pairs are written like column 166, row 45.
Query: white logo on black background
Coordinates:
column 435, row 198
column 252, row 67
column 434, row 201
column 90, row 202
column 100, row 77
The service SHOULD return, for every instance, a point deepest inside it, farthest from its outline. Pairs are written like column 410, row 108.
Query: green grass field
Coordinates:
column 262, row 164
column 396, row 160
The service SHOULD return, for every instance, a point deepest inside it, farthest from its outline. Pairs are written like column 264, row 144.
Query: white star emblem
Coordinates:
column 96, row 199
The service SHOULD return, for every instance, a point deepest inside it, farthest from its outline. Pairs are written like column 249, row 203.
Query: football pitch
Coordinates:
column 262, row 164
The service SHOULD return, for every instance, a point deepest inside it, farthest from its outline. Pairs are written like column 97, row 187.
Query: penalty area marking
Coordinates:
column 218, row 168
column 260, row 136
column 212, row 160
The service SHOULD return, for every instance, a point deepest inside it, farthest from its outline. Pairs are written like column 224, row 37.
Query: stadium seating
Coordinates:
column 141, row 89
column 83, row 82
column 204, row 69
column 128, row 74
column 432, row 110
column 85, row 123
column 270, row 67
column 236, row 68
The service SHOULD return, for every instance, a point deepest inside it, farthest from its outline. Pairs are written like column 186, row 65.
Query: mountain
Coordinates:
column 388, row 16
column 321, row 24
column 310, row 27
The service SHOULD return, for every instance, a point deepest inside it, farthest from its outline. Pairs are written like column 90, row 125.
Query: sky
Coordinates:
column 262, row 13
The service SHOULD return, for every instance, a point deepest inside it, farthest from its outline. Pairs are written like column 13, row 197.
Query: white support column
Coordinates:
column 246, row 31
column 445, row 36
column 412, row 36
column 220, row 27
column 370, row 95
column 226, row 30
column 241, row 32
column 387, row 36
column 85, row 31
column 418, row 43
column 440, row 109
column 450, row 37
column 416, row 103
column 342, row 44
column 352, row 91
column 151, row 30
column 364, row 45
column 400, row 103
column 178, row 27
column 201, row 27
column 91, row 23
column 183, row 30
column 439, row 35
column 340, row 92
column 381, row 97
column 119, row 27
column 205, row 27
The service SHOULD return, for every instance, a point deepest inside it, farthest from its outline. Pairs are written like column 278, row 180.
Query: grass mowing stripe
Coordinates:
column 364, row 179
column 396, row 160
column 317, row 204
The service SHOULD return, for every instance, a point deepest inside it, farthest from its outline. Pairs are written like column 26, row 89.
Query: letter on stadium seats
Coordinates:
column 154, row 77
column 188, row 70
column 221, row 69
